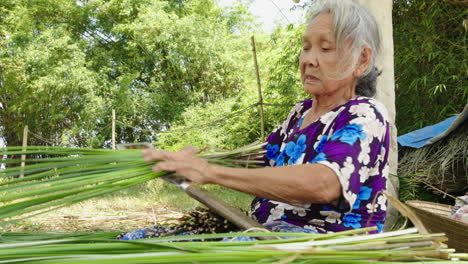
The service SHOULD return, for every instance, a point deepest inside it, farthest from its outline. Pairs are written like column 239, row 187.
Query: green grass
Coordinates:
column 170, row 195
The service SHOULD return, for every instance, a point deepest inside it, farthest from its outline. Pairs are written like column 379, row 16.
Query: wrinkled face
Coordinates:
column 319, row 63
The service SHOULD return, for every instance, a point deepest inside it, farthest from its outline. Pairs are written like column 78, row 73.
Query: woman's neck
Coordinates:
column 325, row 103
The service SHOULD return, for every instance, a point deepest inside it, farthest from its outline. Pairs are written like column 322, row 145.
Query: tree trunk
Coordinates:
column 382, row 10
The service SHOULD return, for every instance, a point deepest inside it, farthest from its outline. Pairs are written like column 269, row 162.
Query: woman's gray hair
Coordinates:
column 355, row 25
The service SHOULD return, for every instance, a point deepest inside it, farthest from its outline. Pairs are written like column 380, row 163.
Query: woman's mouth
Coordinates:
column 310, row 79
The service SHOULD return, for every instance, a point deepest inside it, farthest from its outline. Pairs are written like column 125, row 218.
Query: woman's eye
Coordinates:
column 327, row 48
column 305, row 48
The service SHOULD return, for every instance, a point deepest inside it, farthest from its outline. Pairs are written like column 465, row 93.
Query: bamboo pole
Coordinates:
column 113, row 128
column 23, row 157
column 260, row 97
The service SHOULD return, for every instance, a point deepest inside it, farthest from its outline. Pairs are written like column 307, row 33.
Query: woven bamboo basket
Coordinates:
column 435, row 218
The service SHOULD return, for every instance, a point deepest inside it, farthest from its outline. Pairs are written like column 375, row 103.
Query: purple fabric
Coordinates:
column 353, row 140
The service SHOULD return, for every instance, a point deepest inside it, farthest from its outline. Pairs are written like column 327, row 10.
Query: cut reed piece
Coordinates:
column 353, row 246
column 57, row 176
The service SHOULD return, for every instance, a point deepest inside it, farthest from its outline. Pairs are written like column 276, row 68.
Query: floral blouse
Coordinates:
column 352, row 140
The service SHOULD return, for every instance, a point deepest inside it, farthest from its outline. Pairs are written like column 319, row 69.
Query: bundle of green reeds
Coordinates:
column 355, row 246
column 55, row 177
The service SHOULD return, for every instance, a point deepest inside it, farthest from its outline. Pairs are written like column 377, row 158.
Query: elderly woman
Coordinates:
column 326, row 164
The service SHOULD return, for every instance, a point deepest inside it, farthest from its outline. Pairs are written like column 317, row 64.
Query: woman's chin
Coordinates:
column 312, row 89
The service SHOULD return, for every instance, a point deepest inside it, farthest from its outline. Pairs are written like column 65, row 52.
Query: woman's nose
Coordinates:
column 312, row 59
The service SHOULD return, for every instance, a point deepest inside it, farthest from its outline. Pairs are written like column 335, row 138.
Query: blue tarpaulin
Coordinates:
column 431, row 134
column 421, row 137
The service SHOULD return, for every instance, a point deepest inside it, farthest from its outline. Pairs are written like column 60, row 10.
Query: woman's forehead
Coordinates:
column 321, row 27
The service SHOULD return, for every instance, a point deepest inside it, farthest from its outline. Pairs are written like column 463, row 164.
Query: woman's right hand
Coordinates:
column 183, row 162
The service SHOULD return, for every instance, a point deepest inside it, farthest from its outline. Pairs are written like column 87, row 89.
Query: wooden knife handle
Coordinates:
column 220, row 207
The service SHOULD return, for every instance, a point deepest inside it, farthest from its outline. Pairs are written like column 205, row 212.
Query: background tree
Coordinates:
column 44, row 80
column 430, row 62
column 173, row 64
column 149, row 60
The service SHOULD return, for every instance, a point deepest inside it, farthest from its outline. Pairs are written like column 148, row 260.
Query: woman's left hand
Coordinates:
column 183, row 162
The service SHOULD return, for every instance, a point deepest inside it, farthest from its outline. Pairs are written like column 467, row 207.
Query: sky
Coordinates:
column 271, row 12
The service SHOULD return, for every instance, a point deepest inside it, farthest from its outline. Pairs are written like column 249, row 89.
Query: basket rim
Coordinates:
column 457, row 2
column 413, row 205
column 413, row 202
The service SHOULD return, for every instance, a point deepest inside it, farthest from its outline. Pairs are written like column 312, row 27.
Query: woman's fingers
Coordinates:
column 153, row 155
column 190, row 150
column 183, row 162
column 165, row 166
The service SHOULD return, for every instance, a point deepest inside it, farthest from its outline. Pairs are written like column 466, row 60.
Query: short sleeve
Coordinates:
column 352, row 148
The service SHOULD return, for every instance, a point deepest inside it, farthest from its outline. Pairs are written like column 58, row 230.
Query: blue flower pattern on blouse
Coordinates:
column 349, row 134
column 364, row 194
column 352, row 220
column 280, row 160
column 295, row 150
column 380, row 227
column 321, row 156
column 337, row 142
column 137, row 234
column 299, row 123
column 321, row 144
column 272, row 151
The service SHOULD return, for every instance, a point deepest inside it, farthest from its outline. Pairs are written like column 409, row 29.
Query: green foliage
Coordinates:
column 172, row 65
column 46, row 85
column 430, row 62
column 226, row 125
column 283, row 83
column 65, row 66
column 231, row 123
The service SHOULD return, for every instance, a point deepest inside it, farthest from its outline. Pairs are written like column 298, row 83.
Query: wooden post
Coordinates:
column 260, row 98
column 23, row 157
column 382, row 10
column 113, row 128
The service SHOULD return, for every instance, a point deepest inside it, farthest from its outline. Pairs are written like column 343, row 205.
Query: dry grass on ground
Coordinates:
column 153, row 203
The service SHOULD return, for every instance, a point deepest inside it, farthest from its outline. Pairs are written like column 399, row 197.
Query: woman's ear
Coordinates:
column 363, row 62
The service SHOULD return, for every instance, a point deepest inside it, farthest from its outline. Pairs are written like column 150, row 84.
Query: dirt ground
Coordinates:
column 66, row 221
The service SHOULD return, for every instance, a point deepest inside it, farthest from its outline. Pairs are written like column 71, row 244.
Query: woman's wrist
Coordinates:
column 221, row 175
column 211, row 174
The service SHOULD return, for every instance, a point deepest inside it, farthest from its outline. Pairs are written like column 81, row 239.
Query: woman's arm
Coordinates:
column 307, row 183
